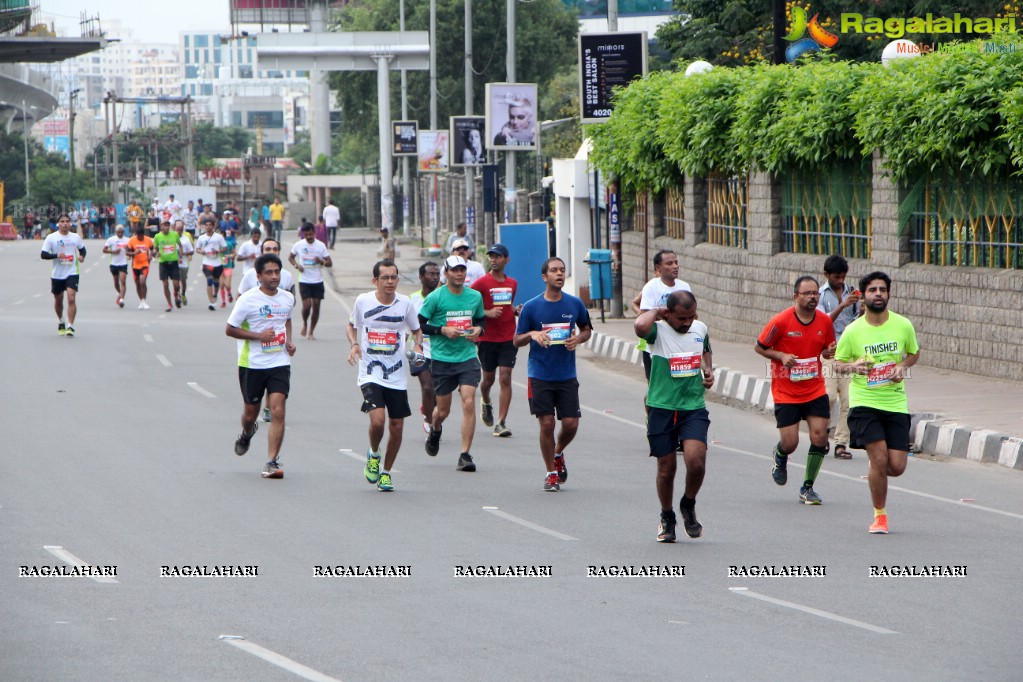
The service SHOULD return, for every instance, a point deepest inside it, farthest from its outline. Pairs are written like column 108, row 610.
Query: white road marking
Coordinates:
column 36, row 295
column 70, row 559
column 148, row 338
column 201, row 390
column 277, row 659
column 163, row 360
column 361, row 459
column 528, row 524
column 19, row 302
column 812, row 611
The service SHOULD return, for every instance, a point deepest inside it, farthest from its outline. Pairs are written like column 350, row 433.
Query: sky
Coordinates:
column 159, row 21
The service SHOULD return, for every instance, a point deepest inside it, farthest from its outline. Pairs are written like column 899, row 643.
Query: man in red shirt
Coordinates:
column 496, row 350
column 794, row 341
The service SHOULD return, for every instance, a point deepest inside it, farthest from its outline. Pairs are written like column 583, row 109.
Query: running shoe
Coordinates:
column 372, row 470
column 184, row 298
column 142, row 305
column 880, row 525
column 487, row 413
column 177, row 301
column 502, row 431
column 70, row 331
column 384, row 484
column 169, row 309
column 666, row 529
column 433, row 443
column 273, row 470
column 559, row 464
column 780, row 472
column 266, row 414
column 223, row 305
column 230, row 298
column 426, row 427
column 145, row 306
column 465, row 462
column 241, row 445
column 550, row 484
column 808, row 496
column 120, row 301
column 61, row 329
column 694, row 528
column 212, row 307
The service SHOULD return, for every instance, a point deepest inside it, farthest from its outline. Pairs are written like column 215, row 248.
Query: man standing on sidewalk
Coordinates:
column 794, row 341
column 496, row 350
column 429, row 278
column 655, row 293
column 331, row 219
column 453, row 317
column 879, row 348
column 377, row 328
column 547, row 323
column 841, row 302
column 66, row 249
column 309, row 256
column 277, row 218
column 681, row 370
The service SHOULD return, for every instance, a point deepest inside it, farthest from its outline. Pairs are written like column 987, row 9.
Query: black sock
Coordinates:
column 687, row 502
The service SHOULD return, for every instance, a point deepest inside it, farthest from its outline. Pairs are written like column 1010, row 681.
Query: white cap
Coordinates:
column 454, row 262
column 459, row 243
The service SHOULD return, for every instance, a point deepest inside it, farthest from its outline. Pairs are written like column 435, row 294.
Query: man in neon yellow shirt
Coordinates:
column 878, row 349
column 277, row 218
column 166, row 243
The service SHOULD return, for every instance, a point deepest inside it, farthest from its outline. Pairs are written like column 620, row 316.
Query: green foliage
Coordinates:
column 560, row 99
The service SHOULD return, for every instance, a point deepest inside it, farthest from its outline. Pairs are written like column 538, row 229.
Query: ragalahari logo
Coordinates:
column 819, row 37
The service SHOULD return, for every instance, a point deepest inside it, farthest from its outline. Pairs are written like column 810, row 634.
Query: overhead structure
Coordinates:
column 114, row 136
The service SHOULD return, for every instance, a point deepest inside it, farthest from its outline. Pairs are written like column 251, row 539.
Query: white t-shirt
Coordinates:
column 248, row 249
column 211, row 247
column 331, row 215
column 382, row 329
column 656, row 292
column 185, row 249
column 190, row 217
column 417, row 299
column 250, row 281
column 66, row 247
column 171, row 210
column 118, row 247
column 473, row 271
column 257, row 312
column 304, row 252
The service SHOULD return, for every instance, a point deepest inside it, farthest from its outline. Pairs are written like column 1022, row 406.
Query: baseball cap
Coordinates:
column 459, row 244
column 454, row 262
column 499, row 249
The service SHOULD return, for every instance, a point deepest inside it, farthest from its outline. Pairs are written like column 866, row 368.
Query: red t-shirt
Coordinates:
column 787, row 334
column 501, row 294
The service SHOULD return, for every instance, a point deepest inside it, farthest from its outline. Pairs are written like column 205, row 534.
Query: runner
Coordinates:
column 429, row 278
column 211, row 245
column 248, row 251
column 135, row 216
column 496, row 350
column 66, row 249
column 227, row 260
column 879, row 348
column 314, row 256
column 190, row 219
column 141, row 247
column 794, row 341
column 379, row 322
column 453, row 316
column 261, row 321
column 548, row 324
column 474, row 271
column 184, row 256
column 168, row 245
column 681, row 370
column 117, row 247
column 655, row 293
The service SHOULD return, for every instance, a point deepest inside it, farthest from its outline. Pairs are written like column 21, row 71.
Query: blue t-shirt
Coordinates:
column 559, row 318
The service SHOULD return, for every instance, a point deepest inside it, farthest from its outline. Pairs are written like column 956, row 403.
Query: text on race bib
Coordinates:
column 463, row 323
column 501, row 295
column 804, row 369
column 65, row 258
column 558, row 332
column 277, row 344
column 382, row 341
column 169, row 248
column 682, row 365
column 881, row 374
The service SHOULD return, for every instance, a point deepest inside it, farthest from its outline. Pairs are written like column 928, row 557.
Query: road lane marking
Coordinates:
column 528, row 524
column 19, row 302
column 362, row 460
column 812, row 611
column 36, row 295
column 200, row 389
column 70, row 559
column 163, row 360
column 147, row 338
column 277, row 659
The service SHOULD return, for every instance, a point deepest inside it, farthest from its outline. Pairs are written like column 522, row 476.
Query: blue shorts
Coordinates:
column 666, row 429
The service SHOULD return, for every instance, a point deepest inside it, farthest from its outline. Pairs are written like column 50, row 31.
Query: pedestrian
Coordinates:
column 167, row 245
column 461, row 232
column 497, row 351
column 309, row 256
column 30, row 222
column 655, row 293
column 248, row 251
column 277, row 218
column 474, row 270
column 117, row 247
column 331, row 218
column 135, row 216
column 52, row 214
column 841, row 302
column 187, row 248
column 66, row 249
column 211, row 245
column 429, row 280
column 140, row 245
column 227, row 261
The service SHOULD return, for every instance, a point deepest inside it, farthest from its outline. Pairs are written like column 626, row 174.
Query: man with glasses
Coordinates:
column 794, row 341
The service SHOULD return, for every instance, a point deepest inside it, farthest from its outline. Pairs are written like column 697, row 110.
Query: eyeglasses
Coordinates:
column 811, row 294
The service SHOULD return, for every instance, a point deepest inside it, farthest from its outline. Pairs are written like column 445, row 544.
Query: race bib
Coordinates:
column 501, row 295
column 382, row 341
column 682, row 365
column 558, row 332
column 277, row 344
column 66, row 258
column 139, row 250
column 881, row 374
column 169, row 249
column 804, row 369
column 463, row 323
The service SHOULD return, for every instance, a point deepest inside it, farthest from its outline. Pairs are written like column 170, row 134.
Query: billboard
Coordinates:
column 607, row 60
column 468, row 140
column 511, row 116
column 433, row 151
column 403, row 138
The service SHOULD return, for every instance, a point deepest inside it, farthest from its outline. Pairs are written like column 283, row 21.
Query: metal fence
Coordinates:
column 828, row 213
column 727, row 200
column 674, row 213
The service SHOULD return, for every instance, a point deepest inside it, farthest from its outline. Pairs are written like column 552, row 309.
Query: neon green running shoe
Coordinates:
column 384, row 484
column 372, row 470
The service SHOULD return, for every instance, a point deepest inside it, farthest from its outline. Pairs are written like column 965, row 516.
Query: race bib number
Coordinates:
column 501, row 295
column 308, row 262
column 682, row 365
column 881, row 374
column 277, row 344
column 558, row 332
column 169, row 249
column 804, row 369
column 382, row 341
column 66, row 258
column 463, row 323
column 139, row 250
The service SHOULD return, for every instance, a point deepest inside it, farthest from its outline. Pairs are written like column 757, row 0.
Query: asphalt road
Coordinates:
column 118, row 450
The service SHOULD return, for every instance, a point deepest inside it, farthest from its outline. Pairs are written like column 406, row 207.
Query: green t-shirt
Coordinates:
column 888, row 345
column 443, row 308
column 167, row 246
column 676, row 376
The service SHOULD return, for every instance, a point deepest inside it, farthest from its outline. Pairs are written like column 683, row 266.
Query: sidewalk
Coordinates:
column 954, row 414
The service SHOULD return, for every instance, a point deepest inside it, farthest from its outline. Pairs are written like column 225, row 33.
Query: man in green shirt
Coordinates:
column 166, row 243
column 681, row 369
column 878, row 349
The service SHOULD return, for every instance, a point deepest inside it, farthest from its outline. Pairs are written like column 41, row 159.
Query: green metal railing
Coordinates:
column 828, row 213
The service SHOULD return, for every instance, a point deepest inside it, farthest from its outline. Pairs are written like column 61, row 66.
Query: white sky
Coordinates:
column 159, row 21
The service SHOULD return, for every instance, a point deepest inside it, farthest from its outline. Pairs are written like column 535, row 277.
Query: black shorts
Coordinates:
column 560, row 398
column 494, row 354
column 169, row 271
column 665, row 429
column 140, row 273
column 787, row 414
column 425, row 367
column 447, row 376
column 375, row 396
column 255, row 382
column 314, row 291
column 59, row 286
column 213, row 272
column 869, row 425
column 115, row 269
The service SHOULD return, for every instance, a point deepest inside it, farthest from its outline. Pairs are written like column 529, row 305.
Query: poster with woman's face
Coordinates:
column 468, row 140
column 433, row 151
column 511, row 116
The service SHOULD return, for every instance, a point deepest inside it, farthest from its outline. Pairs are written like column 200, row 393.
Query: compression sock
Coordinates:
column 879, row 512
column 814, row 459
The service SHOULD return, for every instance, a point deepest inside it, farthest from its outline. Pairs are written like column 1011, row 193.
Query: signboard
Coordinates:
column 511, row 116
column 403, row 138
column 468, row 141
column 614, row 219
column 433, row 151
column 607, row 60
column 57, row 144
column 529, row 247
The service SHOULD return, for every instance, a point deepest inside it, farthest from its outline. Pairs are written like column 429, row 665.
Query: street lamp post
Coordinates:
column 24, row 121
column 71, row 130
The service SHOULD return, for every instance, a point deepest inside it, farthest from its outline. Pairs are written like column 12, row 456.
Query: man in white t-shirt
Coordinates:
column 309, row 256
column 655, row 293
column 117, row 246
column 377, row 328
column 190, row 217
column 211, row 245
column 171, row 210
column 248, row 252
column 185, row 251
column 66, row 249
column 331, row 218
column 473, row 270
column 261, row 321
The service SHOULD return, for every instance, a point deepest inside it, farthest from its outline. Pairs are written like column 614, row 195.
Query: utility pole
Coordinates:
column 24, row 121
column 71, row 130
column 470, row 172
column 433, row 112
column 406, row 197
column 509, row 175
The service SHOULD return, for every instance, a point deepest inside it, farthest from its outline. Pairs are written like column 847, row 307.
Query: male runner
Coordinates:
column 429, row 278
column 548, row 324
column 261, row 321
column 496, row 350
column 66, row 249
column 168, row 245
column 117, row 247
column 135, row 215
column 227, row 263
column 309, row 256
column 453, row 317
column 211, row 245
column 248, row 251
column 656, row 292
column 841, row 302
column 681, row 370
column 185, row 251
column 379, row 322
column 473, row 270
column 141, row 248
column 879, row 348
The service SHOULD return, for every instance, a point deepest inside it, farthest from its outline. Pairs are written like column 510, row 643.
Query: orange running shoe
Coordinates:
column 880, row 525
